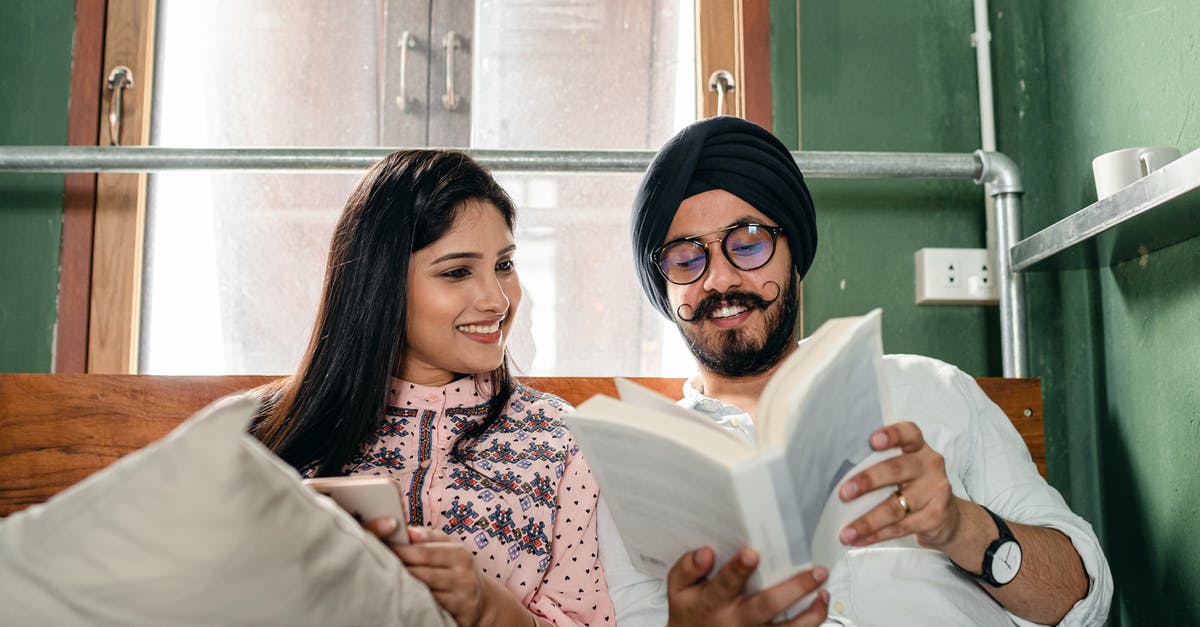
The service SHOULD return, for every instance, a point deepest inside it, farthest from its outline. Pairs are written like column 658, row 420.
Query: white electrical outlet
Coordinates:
column 955, row 276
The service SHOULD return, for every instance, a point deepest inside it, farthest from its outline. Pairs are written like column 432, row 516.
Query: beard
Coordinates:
column 742, row 352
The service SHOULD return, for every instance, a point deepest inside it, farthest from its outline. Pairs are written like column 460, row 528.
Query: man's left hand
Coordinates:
column 923, row 503
column 1052, row 578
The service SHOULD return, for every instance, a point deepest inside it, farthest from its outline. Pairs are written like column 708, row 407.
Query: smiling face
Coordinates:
column 463, row 295
column 737, row 323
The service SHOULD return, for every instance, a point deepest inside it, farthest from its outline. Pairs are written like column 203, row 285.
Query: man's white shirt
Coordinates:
column 897, row 582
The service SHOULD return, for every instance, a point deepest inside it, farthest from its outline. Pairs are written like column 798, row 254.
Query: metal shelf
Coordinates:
column 1158, row 210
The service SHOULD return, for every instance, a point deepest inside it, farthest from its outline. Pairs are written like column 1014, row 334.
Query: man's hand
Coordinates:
column 719, row 600
column 1052, row 577
column 923, row 504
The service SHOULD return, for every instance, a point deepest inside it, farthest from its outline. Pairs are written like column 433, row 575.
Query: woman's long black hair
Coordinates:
column 322, row 416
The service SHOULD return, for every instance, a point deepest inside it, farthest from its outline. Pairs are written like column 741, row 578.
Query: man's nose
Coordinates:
column 720, row 275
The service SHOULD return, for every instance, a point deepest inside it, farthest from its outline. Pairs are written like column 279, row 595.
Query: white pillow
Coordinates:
column 203, row 527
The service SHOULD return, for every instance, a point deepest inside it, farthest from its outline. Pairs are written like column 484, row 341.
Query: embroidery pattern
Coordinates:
column 534, row 539
column 387, row 458
column 461, row 518
column 424, row 453
column 502, row 526
column 496, row 460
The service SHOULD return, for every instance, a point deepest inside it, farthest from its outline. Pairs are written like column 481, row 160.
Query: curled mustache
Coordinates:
column 713, row 302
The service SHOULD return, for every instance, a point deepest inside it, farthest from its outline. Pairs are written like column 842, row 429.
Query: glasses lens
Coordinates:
column 683, row 262
column 749, row 246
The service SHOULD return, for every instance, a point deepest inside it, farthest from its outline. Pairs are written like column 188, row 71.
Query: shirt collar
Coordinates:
column 729, row 416
column 461, row 396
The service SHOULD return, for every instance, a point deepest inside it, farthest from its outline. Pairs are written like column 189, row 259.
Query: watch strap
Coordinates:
column 1006, row 535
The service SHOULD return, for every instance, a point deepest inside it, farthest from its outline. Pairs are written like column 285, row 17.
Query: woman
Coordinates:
column 406, row 376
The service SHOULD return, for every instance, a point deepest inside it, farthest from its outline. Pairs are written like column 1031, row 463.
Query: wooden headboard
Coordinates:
column 56, row 429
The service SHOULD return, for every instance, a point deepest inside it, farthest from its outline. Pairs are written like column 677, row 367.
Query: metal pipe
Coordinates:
column 1013, row 337
column 875, row 165
column 993, row 169
column 1004, row 180
column 1000, row 172
column 157, row 159
column 981, row 40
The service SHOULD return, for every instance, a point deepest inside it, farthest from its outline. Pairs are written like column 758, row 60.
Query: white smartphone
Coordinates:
column 367, row 498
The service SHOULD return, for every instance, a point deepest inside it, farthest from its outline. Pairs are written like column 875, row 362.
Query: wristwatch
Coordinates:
column 1001, row 560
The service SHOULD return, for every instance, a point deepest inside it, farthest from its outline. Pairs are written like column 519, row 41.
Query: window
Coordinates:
column 234, row 260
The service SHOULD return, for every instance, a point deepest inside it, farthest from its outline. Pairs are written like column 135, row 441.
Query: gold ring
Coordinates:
column 902, row 501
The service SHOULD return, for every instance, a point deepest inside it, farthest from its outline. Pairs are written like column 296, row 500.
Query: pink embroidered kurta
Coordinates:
column 519, row 495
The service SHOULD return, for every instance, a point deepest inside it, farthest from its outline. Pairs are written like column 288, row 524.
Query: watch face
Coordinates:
column 1006, row 561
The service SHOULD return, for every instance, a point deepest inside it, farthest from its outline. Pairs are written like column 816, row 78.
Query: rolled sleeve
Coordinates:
column 1003, row 477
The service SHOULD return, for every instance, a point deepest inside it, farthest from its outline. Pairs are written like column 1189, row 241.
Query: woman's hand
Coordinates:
column 923, row 503
column 445, row 566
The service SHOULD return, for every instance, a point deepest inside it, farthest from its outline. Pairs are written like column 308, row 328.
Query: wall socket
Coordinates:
column 955, row 276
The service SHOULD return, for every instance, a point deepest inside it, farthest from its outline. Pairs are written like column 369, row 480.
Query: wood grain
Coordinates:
column 719, row 47
column 735, row 35
column 756, row 62
column 56, row 429
column 79, row 193
column 1021, row 400
column 116, row 291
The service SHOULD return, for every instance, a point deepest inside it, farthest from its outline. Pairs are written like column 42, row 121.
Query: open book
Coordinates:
column 675, row 480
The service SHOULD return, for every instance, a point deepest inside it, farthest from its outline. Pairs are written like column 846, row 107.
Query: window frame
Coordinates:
column 104, row 215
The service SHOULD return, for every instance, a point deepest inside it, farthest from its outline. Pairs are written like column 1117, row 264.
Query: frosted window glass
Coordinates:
column 235, row 260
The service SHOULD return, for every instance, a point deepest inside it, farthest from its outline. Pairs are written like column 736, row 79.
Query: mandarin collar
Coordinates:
column 467, row 391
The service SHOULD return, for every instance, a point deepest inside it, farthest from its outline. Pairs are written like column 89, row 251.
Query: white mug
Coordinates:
column 1117, row 169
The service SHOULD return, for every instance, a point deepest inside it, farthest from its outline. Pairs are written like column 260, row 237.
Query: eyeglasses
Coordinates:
column 746, row 246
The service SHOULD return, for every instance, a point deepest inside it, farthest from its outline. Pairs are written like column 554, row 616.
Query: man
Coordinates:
column 723, row 232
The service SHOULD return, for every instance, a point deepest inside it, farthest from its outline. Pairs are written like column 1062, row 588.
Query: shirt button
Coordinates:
column 424, row 464
column 838, row 607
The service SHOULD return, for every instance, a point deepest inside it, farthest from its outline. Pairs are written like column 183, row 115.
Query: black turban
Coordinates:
column 726, row 153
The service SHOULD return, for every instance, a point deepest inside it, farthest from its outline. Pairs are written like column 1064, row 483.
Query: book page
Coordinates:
column 676, row 481
column 822, row 407
column 645, row 397
column 826, row 548
column 671, row 486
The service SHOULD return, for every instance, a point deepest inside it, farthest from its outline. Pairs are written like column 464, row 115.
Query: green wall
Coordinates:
column 880, row 76
column 785, row 95
column 35, row 44
column 1117, row 348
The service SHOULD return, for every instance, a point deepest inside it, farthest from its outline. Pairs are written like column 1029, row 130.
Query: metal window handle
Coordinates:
column 119, row 79
column 450, row 100
column 721, row 81
column 406, row 41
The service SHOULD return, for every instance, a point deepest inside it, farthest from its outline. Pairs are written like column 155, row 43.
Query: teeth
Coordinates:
column 728, row 311
column 480, row 329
